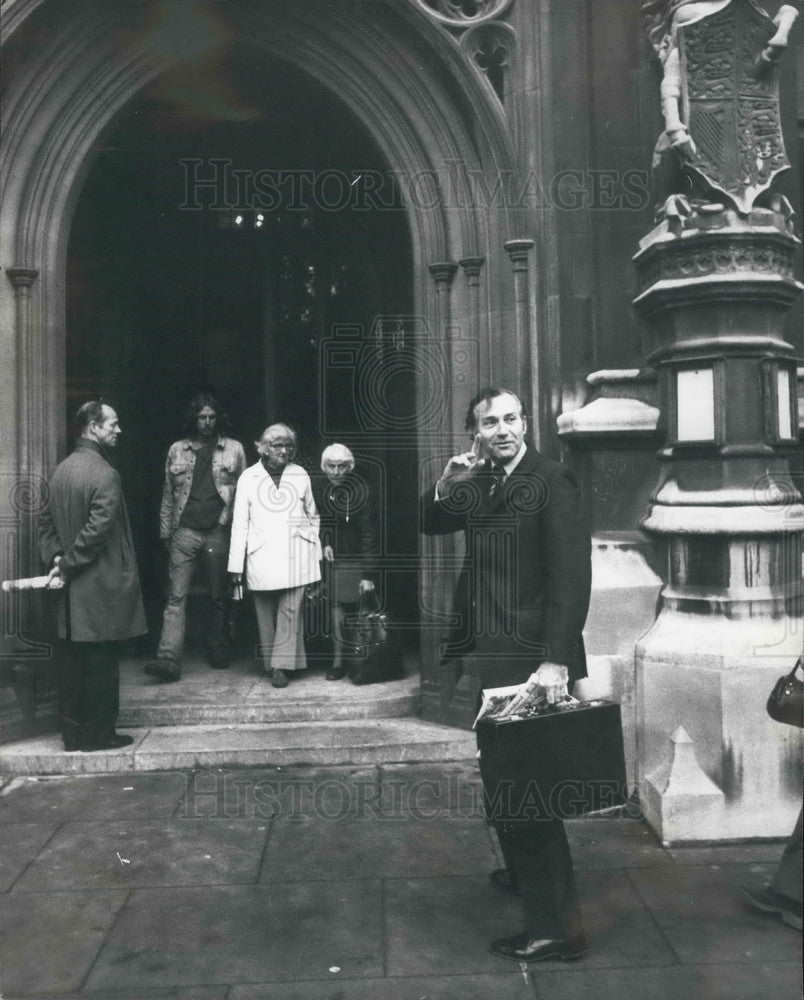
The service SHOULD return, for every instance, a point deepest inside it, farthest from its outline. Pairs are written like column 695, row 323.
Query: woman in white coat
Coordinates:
column 275, row 544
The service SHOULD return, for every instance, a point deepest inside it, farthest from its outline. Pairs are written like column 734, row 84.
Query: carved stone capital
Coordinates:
column 519, row 250
column 443, row 272
column 22, row 277
column 472, row 267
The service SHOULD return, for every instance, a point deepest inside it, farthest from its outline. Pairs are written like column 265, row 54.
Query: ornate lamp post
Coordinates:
column 716, row 281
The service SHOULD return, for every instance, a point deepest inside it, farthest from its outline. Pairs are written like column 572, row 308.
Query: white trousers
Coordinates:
column 281, row 628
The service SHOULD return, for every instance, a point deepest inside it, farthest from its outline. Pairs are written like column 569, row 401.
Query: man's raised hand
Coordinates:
column 459, row 468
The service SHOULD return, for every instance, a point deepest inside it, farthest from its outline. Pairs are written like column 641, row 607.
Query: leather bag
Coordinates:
column 562, row 763
column 786, row 701
column 371, row 657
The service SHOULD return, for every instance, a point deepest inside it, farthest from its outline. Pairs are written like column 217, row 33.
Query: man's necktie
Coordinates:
column 497, row 478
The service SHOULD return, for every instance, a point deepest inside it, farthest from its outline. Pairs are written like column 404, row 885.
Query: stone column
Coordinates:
column 472, row 267
column 714, row 289
column 440, row 556
column 28, row 367
column 526, row 335
column 443, row 274
column 24, row 489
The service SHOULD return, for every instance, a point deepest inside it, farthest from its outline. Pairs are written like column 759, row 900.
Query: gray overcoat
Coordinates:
column 86, row 522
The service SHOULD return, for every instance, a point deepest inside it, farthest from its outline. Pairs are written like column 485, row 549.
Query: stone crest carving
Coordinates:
column 732, row 110
column 720, row 98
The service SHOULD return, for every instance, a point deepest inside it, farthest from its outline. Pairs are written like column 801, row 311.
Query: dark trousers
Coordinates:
column 538, row 856
column 787, row 880
column 537, row 853
column 90, row 693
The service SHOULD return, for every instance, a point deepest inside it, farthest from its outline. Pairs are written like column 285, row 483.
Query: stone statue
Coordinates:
column 720, row 104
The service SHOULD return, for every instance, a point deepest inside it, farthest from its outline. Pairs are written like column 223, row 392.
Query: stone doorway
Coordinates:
column 242, row 255
column 81, row 74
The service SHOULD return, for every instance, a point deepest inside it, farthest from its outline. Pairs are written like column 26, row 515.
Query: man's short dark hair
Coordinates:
column 485, row 395
column 89, row 413
column 196, row 405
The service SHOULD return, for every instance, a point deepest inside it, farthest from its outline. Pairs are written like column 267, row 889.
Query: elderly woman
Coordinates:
column 349, row 538
column 275, row 542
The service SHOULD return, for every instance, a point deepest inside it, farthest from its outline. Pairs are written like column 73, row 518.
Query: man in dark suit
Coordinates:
column 85, row 537
column 522, row 600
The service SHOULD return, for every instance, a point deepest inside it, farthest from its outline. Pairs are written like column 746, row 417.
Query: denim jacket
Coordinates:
column 228, row 461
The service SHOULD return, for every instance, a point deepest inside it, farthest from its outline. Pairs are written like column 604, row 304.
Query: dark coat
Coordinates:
column 86, row 522
column 523, row 592
column 348, row 513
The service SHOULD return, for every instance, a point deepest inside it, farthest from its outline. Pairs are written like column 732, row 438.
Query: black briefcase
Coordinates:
column 565, row 762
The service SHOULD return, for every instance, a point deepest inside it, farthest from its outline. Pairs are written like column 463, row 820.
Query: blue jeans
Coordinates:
column 209, row 551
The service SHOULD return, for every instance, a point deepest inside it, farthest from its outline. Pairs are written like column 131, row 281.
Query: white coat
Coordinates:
column 275, row 530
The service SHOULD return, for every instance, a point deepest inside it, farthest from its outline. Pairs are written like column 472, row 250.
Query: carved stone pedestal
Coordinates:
column 715, row 290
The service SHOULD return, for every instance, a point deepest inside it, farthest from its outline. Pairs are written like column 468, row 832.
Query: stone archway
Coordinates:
column 73, row 72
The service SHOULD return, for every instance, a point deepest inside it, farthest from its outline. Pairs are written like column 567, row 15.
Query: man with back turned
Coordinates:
column 85, row 539
column 522, row 600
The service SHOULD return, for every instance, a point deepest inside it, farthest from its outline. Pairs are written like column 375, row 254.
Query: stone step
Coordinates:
column 162, row 748
column 241, row 695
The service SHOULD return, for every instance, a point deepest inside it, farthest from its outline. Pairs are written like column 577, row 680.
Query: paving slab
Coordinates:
column 620, row 930
column 433, row 789
column 92, row 797
column 701, row 913
column 777, row 981
column 613, row 844
column 20, row 845
column 48, row 941
column 479, row 987
column 242, row 934
column 315, row 847
column 441, row 926
column 152, row 853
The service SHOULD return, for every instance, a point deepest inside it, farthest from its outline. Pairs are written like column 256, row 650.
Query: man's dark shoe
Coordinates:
column 116, row 742
column 279, row 679
column 523, row 949
column 336, row 674
column 503, row 880
column 768, row 901
column 165, row 670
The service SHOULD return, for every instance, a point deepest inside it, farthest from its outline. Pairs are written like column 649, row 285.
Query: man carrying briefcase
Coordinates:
column 522, row 601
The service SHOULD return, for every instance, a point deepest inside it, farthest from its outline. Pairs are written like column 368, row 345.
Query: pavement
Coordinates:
column 364, row 882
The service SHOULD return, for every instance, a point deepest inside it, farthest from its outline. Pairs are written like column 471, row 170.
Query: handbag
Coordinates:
column 370, row 657
column 786, row 701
